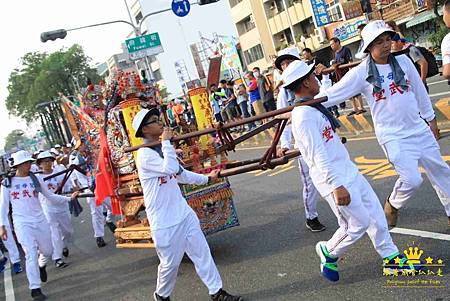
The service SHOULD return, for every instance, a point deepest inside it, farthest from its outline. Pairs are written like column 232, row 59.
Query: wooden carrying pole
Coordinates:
column 232, row 124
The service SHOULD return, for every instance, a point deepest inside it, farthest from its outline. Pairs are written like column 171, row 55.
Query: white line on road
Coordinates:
column 439, row 94
column 438, row 82
column 9, row 288
column 420, row 233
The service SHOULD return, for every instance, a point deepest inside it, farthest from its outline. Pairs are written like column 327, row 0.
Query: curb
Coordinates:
column 359, row 125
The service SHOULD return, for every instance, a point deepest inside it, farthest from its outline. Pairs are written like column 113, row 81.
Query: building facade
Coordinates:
column 267, row 26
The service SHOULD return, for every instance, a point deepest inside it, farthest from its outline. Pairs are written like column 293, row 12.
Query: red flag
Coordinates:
column 104, row 177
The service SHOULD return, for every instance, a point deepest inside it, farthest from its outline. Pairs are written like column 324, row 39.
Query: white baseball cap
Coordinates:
column 295, row 71
column 287, row 53
column 57, row 146
column 141, row 117
column 45, row 155
column 21, row 157
column 53, row 151
column 371, row 31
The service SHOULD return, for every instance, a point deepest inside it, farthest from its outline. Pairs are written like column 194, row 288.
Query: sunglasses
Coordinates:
column 153, row 121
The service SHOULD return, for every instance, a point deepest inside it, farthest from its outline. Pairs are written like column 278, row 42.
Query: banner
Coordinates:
column 321, row 15
column 214, row 71
column 346, row 29
column 129, row 109
column 203, row 111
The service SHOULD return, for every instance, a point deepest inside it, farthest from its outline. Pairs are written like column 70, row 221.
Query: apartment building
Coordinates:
column 267, row 26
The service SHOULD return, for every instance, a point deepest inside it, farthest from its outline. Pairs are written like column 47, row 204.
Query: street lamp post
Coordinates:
column 62, row 33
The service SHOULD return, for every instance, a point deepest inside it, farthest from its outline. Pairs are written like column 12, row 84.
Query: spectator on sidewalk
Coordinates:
column 399, row 44
column 242, row 101
column 265, row 90
column 343, row 55
column 255, row 96
column 216, row 98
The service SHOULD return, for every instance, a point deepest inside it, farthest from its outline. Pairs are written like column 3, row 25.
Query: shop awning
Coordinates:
column 421, row 18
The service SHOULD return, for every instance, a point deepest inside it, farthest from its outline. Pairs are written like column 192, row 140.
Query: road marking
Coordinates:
column 439, row 94
column 344, row 120
column 281, row 171
column 420, row 233
column 9, row 288
column 442, row 105
column 438, row 82
column 364, row 123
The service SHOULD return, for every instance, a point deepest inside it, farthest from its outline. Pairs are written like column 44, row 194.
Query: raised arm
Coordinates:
column 350, row 85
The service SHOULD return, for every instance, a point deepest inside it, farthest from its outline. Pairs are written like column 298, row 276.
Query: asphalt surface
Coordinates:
column 270, row 256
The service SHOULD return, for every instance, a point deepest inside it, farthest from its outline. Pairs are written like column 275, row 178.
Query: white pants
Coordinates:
column 107, row 207
column 310, row 193
column 364, row 214
column 172, row 243
column 61, row 231
column 34, row 238
column 98, row 220
column 10, row 244
column 406, row 155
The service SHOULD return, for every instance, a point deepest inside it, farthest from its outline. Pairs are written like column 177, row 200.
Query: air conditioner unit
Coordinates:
column 320, row 34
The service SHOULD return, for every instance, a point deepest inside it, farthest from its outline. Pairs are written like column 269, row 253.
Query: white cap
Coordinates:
column 21, row 157
column 371, row 31
column 137, row 120
column 57, row 146
column 69, row 145
column 295, row 70
column 287, row 53
column 45, row 155
column 53, row 151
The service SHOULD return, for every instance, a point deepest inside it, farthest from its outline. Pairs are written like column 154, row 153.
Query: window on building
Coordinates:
column 290, row 3
column 253, row 54
column 279, row 5
column 138, row 17
column 233, row 3
column 334, row 10
column 245, row 25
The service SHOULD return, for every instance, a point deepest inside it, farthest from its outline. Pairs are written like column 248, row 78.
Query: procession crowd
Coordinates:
column 405, row 126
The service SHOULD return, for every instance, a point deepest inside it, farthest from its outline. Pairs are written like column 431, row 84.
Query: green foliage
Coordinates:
column 15, row 138
column 436, row 37
column 42, row 76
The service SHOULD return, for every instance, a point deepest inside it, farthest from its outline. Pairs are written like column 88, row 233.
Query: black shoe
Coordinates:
column 111, row 226
column 159, row 298
column 100, row 242
column 351, row 113
column 37, row 295
column 65, row 252
column 314, row 225
column 60, row 264
column 222, row 295
column 43, row 274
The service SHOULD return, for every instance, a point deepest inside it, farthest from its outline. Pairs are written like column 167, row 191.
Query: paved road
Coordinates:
column 271, row 255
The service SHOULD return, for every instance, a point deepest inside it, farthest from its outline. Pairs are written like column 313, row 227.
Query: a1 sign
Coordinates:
column 181, row 7
column 143, row 46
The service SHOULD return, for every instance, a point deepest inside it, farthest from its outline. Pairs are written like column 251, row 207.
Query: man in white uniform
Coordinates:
column 336, row 177
column 174, row 225
column 404, row 120
column 13, row 251
column 285, row 98
column 30, row 224
column 57, row 213
column 80, row 181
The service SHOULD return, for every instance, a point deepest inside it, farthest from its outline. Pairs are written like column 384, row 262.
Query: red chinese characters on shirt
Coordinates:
column 26, row 193
column 327, row 133
column 51, row 187
column 15, row 195
column 379, row 96
column 163, row 180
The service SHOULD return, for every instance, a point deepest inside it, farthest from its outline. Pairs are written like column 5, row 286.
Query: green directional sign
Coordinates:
column 145, row 42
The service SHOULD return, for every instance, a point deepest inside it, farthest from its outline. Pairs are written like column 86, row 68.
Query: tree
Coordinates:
column 441, row 30
column 42, row 76
column 16, row 139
